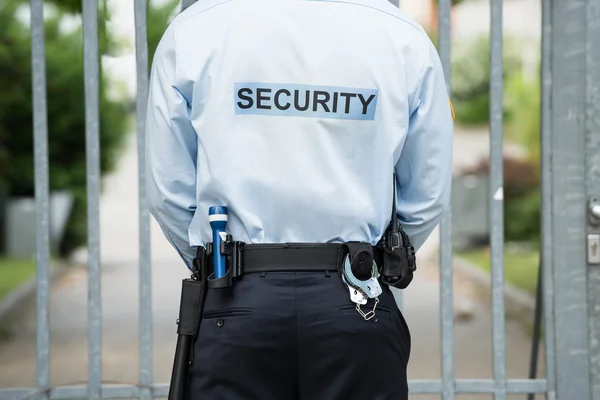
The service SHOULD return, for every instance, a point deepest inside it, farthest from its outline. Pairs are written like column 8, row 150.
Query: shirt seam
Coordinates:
column 417, row 99
column 175, row 51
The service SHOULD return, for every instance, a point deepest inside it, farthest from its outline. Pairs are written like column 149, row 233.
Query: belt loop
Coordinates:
column 263, row 274
column 341, row 256
column 327, row 274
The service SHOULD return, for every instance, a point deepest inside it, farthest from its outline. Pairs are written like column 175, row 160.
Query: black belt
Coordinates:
column 271, row 257
column 293, row 257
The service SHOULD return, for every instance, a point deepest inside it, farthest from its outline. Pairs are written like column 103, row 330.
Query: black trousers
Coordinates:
column 297, row 336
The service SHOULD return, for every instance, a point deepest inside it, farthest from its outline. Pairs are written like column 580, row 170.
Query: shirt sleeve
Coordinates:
column 424, row 169
column 171, row 150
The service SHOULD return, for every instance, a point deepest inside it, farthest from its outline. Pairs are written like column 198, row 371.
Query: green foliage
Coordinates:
column 471, row 79
column 106, row 44
column 65, row 109
column 521, row 187
column 522, row 207
column 521, row 114
column 66, row 119
column 158, row 19
column 14, row 273
column 70, row 6
column 522, row 216
column 520, row 266
column 522, row 97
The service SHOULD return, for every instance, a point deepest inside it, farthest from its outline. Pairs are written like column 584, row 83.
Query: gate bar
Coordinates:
column 186, row 3
column 416, row 387
column 498, row 386
column 398, row 293
column 145, row 266
column 497, row 200
column 446, row 263
column 568, row 194
column 92, row 134
column 592, row 53
column 40, row 131
column 546, row 195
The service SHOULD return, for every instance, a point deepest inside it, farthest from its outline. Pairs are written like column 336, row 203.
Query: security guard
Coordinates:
column 315, row 123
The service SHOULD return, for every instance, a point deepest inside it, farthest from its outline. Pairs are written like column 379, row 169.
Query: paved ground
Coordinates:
column 120, row 306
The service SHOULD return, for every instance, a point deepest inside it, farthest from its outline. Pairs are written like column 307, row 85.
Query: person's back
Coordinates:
column 294, row 114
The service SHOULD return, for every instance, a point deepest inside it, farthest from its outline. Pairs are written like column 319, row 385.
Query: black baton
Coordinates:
column 193, row 293
column 181, row 365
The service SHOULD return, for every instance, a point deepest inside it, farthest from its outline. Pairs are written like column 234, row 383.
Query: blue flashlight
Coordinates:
column 217, row 216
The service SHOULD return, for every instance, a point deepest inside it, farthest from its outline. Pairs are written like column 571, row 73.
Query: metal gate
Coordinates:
column 570, row 148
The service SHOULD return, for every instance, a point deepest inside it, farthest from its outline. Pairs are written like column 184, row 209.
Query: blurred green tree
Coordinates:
column 471, row 79
column 65, row 105
column 521, row 109
column 523, row 207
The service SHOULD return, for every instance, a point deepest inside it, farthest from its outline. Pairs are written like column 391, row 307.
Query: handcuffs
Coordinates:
column 362, row 290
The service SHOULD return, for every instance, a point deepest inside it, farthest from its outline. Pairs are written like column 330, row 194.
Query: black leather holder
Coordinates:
column 233, row 252
column 190, row 307
column 399, row 259
column 361, row 259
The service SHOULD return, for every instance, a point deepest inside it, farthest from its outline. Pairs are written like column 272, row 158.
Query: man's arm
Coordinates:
column 424, row 170
column 171, row 149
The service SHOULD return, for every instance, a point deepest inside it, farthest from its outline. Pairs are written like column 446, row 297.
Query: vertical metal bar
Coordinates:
column 186, row 3
column 446, row 264
column 497, row 201
column 400, row 300
column 593, row 179
column 537, row 328
column 546, row 189
column 141, row 47
column 398, row 294
column 40, row 132
column 568, row 199
column 92, row 134
column 399, row 297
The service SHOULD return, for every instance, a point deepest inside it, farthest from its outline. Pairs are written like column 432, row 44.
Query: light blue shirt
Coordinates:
column 294, row 114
